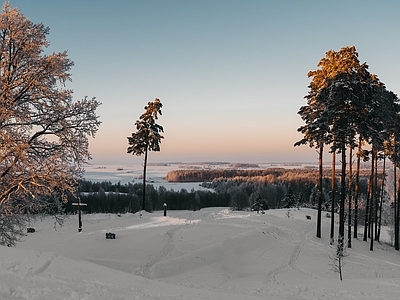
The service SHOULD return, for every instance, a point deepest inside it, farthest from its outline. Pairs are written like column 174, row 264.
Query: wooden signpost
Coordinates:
column 79, row 204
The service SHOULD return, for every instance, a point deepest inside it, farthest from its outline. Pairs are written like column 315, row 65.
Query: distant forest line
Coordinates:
column 239, row 189
column 269, row 175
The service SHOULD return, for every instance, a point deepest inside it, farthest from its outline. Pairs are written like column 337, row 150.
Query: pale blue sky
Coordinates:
column 230, row 74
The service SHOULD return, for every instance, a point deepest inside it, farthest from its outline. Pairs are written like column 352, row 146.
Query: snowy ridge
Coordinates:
column 213, row 253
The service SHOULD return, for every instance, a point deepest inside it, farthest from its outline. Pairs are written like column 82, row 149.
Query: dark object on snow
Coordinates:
column 328, row 215
column 308, row 217
column 110, row 236
column 30, row 230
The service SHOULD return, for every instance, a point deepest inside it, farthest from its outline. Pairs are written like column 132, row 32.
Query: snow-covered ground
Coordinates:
column 209, row 254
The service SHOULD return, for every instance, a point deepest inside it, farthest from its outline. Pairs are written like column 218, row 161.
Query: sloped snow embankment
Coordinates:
column 209, row 254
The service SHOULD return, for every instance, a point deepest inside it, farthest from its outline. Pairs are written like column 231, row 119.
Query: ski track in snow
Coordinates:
column 41, row 269
column 289, row 261
column 145, row 269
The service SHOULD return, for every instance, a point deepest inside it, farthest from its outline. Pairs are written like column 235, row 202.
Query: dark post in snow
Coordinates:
column 165, row 209
column 79, row 204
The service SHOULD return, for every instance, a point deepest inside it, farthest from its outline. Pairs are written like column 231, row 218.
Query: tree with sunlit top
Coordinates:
column 147, row 137
column 43, row 132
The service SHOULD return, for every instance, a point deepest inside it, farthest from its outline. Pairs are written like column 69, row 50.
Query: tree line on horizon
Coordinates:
column 107, row 197
column 240, row 190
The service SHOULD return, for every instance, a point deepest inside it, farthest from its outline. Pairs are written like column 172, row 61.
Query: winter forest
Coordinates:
column 44, row 137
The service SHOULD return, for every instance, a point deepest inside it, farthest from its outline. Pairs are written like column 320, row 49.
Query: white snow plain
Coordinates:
column 213, row 253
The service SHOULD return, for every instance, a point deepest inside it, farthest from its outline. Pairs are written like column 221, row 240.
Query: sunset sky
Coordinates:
column 231, row 74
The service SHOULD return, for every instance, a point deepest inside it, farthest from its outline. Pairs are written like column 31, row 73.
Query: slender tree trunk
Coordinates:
column 321, row 149
column 371, row 194
column 333, row 197
column 396, row 220
column 144, row 180
column 376, row 196
column 395, row 203
column 356, row 191
column 372, row 198
column 367, row 208
column 342, row 197
column 350, row 197
column 378, row 236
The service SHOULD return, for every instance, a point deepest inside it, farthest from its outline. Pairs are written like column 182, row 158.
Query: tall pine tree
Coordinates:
column 147, row 137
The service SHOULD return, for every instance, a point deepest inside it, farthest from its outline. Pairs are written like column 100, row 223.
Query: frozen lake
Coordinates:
column 157, row 172
column 133, row 173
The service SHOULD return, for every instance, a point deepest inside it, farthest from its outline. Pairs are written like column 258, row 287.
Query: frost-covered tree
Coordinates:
column 147, row 137
column 290, row 199
column 393, row 151
column 337, row 259
column 239, row 200
column 43, row 132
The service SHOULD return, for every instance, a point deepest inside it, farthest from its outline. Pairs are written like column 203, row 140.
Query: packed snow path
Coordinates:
column 209, row 254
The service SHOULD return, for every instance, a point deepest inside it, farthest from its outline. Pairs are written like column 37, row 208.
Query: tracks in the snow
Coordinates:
column 145, row 269
column 289, row 261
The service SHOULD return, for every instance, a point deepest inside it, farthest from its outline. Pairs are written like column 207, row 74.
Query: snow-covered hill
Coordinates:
column 209, row 254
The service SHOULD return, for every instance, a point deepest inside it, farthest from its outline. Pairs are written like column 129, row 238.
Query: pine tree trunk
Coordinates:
column 367, row 208
column 333, row 184
column 350, row 197
column 378, row 236
column 376, row 196
column 356, row 191
column 372, row 198
column 396, row 221
column 342, row 196
column 395, row 203
column 144, row 180
column 321, row 149
column 371, row 194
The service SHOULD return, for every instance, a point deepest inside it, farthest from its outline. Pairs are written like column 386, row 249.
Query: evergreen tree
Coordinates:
column 342, row 99
column 393, row 148
column 333, row 194
column 345, row 103
column 147, row 137
column 318, row 128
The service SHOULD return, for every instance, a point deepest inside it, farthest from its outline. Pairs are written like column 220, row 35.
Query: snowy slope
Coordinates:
column 210, row 254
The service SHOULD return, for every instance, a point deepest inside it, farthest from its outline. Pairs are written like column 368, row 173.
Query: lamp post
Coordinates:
column 79, row 204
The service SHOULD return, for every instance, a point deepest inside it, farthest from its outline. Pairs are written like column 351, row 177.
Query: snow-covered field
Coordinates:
column 213, row 253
